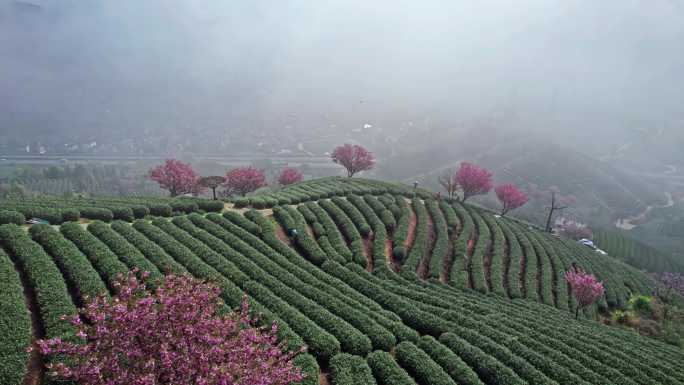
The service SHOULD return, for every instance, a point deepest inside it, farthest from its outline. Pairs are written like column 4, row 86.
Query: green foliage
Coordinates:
column 14, row 217
column 641, row 304
column 15, row 325
column 346, row 369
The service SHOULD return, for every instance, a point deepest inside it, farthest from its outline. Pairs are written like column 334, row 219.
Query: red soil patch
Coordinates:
column 280, row 233
column 368, row 251
column 324, row 377
column 507, row 266
column 389, row 257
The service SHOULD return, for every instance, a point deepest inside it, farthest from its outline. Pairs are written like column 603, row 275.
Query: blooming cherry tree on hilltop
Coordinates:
column 354, row 158
column 175, row 176
column 289, row 176
column 473, row 180
column 243, row 180
column 164, row 337
column 585, row 288
column 510, row 197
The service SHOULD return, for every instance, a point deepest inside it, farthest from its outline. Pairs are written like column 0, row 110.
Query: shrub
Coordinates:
column 97, row 213
column 140, row 211
column 7, row 216
column 346, row 369
column 399, row 253
column 123, row 213
column 161, row 210
column 241, row 202
column 164, row 335
column 71, row 215
column 184, row 206
column 210, row 205
column 641, row 304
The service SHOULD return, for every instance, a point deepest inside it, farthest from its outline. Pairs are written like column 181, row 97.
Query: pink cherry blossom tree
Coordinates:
column 289, row 176
column 164, row 337
column 243, row 180
column 175, row 176
column 354, row 158
column 585, row 288
column 510, row 197
column 473, row 180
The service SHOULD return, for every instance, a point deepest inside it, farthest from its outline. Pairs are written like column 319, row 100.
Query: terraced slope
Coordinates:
column 449, row 309
column 636, row 253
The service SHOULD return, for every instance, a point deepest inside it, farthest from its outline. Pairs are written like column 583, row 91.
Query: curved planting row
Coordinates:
column 401, row 232
column 441, row 244
column 419, row 249
column 497, row 258
column 58, row 210
column 323, row 188
column 76, row 268
column 105, row 262
column 462, row 249
column 341, row 220
column 477, row 257
column 15, row 325
column 379, row 257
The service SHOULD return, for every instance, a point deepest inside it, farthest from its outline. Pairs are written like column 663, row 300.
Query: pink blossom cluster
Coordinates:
column 175, row 176
column 242, row 180
column 170, row 336
column 585, row 287
column 289, row 176
column 510, row 197
column 354, row 158
column 473, row 180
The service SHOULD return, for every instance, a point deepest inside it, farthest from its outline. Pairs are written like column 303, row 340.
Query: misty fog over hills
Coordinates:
column 590, row 72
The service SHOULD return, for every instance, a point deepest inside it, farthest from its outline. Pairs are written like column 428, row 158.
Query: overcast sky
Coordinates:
column 579, row 64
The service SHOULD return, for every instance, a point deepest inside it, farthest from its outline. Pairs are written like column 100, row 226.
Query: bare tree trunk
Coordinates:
column 213, row 191
column 548, row 220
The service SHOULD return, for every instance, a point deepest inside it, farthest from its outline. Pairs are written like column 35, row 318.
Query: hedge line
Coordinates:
column 349, row 230
column 386, row 371
column 125, row 251
column 379, row 230
column 401, row 231
column 75, row 267
column 10, row 216
column 149, row 249
column 246, row 258
column 103, row 260
column 346, row 369
column 441, row 246
column 458, row 276
column 420, row 241
column 51, row 293
column 477, row 258
column 15, row 325
column 331, row 230
column 421, row 366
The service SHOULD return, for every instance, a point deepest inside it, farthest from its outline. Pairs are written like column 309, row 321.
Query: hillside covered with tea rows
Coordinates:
column 382, row 283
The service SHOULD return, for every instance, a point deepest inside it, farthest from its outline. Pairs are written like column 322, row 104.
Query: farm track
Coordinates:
column 331, row 302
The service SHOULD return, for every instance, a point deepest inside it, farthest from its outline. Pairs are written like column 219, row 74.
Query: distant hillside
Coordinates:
column 635, row 253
